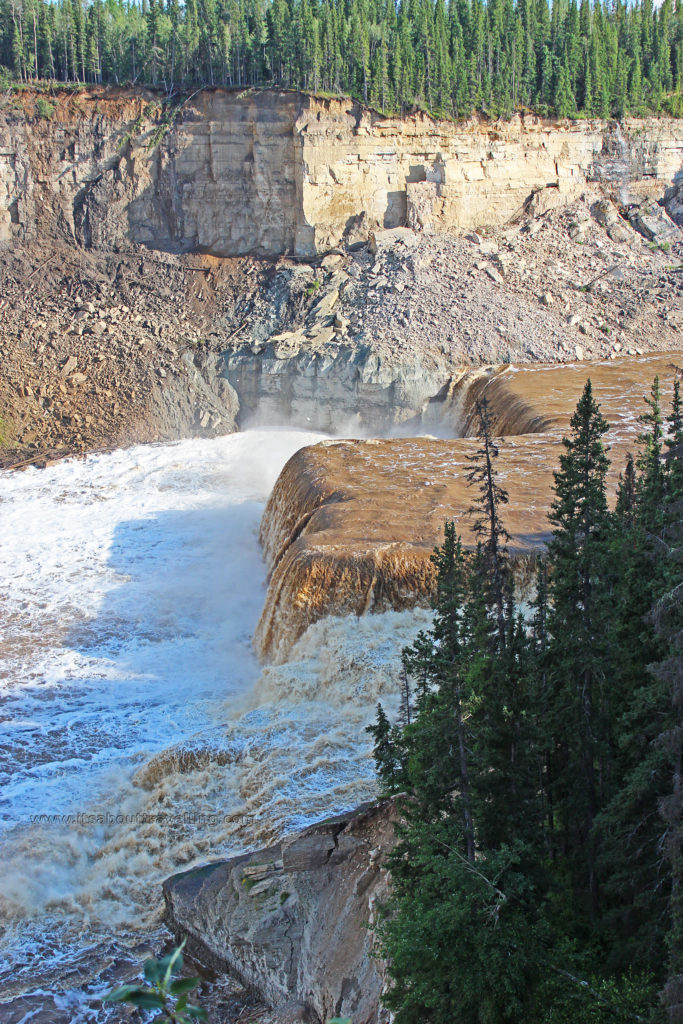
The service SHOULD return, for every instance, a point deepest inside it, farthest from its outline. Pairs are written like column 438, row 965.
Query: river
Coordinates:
column 138, row 733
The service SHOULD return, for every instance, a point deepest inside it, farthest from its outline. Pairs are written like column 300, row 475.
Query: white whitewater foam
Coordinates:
column 130, row 585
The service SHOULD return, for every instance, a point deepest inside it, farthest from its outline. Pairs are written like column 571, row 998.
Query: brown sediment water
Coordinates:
column 142, row 702
column 350, row 525
column 138, row 735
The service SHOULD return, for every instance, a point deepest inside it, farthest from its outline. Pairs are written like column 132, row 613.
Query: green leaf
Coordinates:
column 121, row 995
column 196, row 1013
column 145, row 999
column 152, row 971
column 181, row 985
column 182, row 1002
column 172, row 964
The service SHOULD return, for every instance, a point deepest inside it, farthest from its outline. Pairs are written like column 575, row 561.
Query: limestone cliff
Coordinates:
column 350, row 525
column 275, row 172
column 291, row 922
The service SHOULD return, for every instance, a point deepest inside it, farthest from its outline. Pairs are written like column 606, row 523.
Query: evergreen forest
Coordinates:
column 536, row 760
column 449, row 57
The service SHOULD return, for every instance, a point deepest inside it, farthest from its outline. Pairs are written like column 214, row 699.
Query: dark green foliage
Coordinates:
column 537, row 875
column 651, row 481
column 459, row 933
column 164, row 992
column 385, row 751
column 495, row 56
column 488, row 526
column 580, row 625
column 674, row 445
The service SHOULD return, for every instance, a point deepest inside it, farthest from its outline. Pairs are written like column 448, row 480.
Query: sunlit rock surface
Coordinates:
column 268, row 172
column 291, row 921
column 350, row 524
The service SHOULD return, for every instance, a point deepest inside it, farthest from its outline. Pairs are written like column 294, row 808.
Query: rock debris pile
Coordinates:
column 101, row 348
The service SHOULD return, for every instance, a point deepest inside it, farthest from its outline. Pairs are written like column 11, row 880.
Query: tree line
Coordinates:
column 602, row 58
column 537, row 875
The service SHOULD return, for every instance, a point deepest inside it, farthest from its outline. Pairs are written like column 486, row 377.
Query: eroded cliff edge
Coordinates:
column 272, row 172
column 291, row 921
column 118, row 325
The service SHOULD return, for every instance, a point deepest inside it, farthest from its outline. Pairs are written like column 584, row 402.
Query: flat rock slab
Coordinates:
column 350, row 525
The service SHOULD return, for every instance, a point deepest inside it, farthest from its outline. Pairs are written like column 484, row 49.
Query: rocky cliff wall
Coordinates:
column 294, row 922
column 274, row 172
column 104, row 172
column 445, row 176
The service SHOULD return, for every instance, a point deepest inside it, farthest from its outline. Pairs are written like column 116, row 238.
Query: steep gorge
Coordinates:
column 277, row 257
column 283, row 258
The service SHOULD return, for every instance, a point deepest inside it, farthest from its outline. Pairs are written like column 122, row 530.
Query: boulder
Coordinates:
column 495, row 275
column 294, row 922
column 673, row 200
column 606, row 214
column 542, row 200
column 576, row 232
column 422, row 205
column 68, row 366
column 654, row 223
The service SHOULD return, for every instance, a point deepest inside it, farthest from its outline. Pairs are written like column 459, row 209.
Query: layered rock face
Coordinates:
column 350, row 525
column 274, row 172
column 291, row 922
column 443, row 176
column 105, row 172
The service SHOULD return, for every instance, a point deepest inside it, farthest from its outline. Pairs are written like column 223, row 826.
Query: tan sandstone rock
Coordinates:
column 270, row 172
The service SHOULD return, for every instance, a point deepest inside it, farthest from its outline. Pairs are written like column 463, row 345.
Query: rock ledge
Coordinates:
column 291, row 921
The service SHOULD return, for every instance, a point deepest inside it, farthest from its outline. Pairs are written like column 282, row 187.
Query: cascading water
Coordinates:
column 621, row 166
column 138, row 733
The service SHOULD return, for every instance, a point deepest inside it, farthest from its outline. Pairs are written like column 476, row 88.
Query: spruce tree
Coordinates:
column 674, row 445
column 385, row 751
column 650, row 462
column 579, row 624
column 488, row 526
column 490, row 55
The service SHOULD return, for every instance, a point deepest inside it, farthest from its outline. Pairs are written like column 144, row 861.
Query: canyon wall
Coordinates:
column 294, row 922
column 273, row 172
column 444, row 176
column 104, row 171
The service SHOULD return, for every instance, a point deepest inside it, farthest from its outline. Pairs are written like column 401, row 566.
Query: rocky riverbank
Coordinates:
column 284, row 259
column 293, row 922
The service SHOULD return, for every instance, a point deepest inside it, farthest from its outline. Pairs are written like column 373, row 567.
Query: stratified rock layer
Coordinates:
column 272, row 172
column 350, row 525
column 291, row 921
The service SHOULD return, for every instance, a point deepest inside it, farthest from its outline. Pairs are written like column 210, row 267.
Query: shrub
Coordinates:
column 164, row 993
column 44, row 110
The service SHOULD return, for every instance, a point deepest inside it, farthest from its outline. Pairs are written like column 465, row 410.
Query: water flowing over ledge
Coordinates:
column 350, row 525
